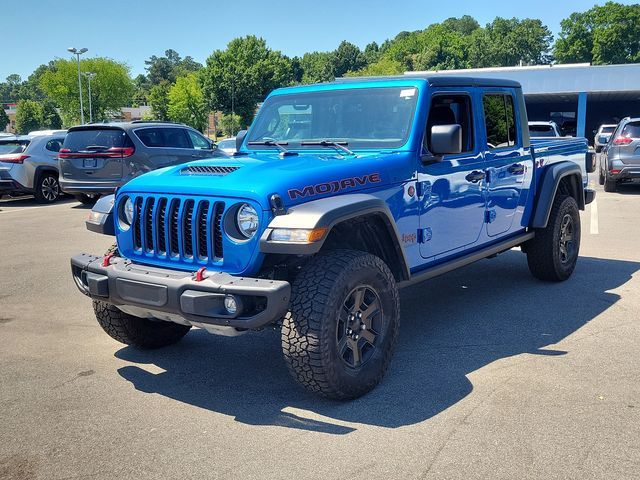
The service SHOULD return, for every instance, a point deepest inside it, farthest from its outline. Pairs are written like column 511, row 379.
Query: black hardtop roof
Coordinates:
column 440, row 80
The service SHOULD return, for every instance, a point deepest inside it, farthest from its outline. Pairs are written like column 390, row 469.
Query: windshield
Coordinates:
column 12, row 147
column 541, row 131
column 357, row 117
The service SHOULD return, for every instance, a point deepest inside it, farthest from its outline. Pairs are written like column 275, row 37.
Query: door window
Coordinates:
column 451, row 110
column 500, row 119
column 199, row 142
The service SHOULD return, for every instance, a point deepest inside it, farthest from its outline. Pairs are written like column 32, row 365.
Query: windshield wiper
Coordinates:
column 329, row 143
column 273, row 143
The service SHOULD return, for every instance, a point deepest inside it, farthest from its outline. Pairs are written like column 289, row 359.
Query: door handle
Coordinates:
column 516, row 169
column 195, row 155
column 476, row 176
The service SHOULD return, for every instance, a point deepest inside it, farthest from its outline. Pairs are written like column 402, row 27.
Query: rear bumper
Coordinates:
column 75, row 187
column 628, row 172
column 172, row 292
column 9, row 185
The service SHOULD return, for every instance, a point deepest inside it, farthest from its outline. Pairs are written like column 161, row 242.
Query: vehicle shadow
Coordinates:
column 628, row 189
column 451, row 326
column 8, row 202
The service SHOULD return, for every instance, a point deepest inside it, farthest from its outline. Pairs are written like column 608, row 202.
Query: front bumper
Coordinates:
column 126, row 284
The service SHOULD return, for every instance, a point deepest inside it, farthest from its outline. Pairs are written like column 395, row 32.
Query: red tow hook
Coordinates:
column 200, row 274
column 106, row 261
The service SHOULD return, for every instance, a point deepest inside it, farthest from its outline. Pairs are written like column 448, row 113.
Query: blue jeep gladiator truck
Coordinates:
column 339, row 195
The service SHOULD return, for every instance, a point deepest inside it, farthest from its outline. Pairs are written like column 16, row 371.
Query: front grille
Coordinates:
column 187, row 229
column 207, row 170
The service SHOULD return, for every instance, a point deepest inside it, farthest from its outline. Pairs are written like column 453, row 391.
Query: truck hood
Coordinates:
column 296, row 179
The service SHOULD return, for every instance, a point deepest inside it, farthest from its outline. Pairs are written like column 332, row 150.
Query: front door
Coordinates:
column 508, row 168
column 450, row 189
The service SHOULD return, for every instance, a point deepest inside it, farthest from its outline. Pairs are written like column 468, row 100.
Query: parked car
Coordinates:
column 569, row 128
column 602, row 136
column 544, row 129
column 620, row 161
column 228, row 145
column 98, row 158
column 403, row 179
column 29, row 164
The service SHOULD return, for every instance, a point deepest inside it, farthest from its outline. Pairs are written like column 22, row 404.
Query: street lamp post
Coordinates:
column 77, row 53
column 90, row 76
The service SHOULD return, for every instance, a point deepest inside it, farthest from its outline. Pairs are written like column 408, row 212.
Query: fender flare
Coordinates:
column 101, row 218
column 553, row 174
column 40, row 169
column 326, row 213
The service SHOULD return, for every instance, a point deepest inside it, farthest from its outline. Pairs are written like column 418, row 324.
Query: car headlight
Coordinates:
column 125, row 214
column 247, row 220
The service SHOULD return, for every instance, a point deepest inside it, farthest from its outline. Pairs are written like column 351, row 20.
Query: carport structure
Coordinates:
column 579, row 97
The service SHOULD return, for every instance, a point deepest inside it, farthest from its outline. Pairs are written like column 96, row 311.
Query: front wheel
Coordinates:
column 135, row 331
column 553, row 253
column 47, row 189
column 339, row 336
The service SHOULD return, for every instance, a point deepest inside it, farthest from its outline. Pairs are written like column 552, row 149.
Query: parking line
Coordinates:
column 23, row 209
column 593, row 225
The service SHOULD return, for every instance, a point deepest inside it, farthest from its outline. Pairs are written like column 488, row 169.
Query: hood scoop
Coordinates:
column 207, row 170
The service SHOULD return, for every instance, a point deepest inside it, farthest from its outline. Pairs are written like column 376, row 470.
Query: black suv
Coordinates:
column 96, row 159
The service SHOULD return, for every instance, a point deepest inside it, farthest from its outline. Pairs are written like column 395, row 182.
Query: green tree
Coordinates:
column 384, row 66
column 169, row 67
column 141, row 87
column 242, row 75
column 159, row 101
column 187, row 104
column 111, row 88
column 50, row 117
column 230, row 124
column 317, row 67
column 4, row 119
column 347, row 57
column 603, row 35
column 29, row 116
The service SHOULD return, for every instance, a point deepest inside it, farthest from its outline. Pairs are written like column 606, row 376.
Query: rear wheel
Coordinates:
column 47, row 189
column 601, row 178
column 553, row 252
column 87, row 198
column 609, row 184
column 339, row 336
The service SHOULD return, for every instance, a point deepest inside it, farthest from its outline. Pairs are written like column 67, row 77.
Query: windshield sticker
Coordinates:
column 407, row 92
column 334, row 186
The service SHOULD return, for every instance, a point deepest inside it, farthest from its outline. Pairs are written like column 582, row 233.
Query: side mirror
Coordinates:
column 446, row 139
column 212, row 145
column 240, row 139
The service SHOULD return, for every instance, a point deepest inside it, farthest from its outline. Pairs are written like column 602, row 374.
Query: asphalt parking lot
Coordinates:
column 496, row 375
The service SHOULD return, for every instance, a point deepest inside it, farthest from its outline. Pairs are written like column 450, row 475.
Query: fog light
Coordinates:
column 230, row 304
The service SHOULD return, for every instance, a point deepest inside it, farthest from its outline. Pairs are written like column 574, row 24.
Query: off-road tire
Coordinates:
column 544, row 254
column 610, row 185
column 47, row 188
column 86, row 199
column 310, row 330
column 135, row 331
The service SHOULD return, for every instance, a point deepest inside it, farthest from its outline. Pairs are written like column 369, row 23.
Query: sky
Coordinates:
column 37, row 31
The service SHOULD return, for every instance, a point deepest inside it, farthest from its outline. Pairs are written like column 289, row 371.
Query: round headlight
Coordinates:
column 126, row 214
column 247, row 220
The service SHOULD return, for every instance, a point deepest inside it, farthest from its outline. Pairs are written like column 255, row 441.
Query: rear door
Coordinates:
column 94, row 154
column 509, row 166
column 166, row 146
column 628, row 144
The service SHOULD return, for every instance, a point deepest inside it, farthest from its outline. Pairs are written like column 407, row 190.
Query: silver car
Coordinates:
column 620, row 161
column 602, row 136
column 29, row 164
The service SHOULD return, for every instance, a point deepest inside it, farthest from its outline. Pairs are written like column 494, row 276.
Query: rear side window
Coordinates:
column 500, row 118
column 79, row 140
column 54, row 145
column 13, row 147
column 164, row 137
column 631, row 130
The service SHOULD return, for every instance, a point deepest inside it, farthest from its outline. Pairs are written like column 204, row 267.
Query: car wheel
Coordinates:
column 553, row 253
column 47, row 188
column 610, row 185
column 600, row 177
column 339, row 336
column 87, row 199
